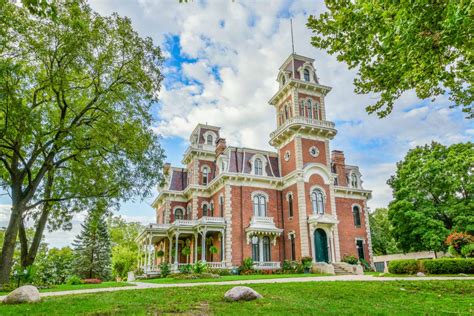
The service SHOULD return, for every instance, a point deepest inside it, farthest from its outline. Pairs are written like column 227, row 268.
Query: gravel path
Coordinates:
column 144, row 285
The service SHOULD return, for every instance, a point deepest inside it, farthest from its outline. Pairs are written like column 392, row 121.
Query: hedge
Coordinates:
column 432, row 266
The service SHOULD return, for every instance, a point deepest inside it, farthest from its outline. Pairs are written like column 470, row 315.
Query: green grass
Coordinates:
column 66, row 287
column 170, row 280
column 391, row 275
column 312, row 298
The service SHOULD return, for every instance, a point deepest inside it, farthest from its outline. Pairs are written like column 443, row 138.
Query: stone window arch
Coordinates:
column 210, row 138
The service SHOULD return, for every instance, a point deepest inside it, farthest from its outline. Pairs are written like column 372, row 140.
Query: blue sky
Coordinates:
column 222, row 59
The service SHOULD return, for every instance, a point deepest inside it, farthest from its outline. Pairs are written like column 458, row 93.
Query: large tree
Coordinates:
column 398, row 46
column 383, row 242
column 433, row 191
column 75, row 95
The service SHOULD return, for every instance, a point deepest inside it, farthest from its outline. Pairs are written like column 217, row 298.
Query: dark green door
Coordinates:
column 321, row 245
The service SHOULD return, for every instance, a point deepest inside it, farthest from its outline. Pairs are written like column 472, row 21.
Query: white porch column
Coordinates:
column 203, row 245
column 170, row 239
column 176, row 249
column 145, row 250
column 195, row 257
column 151, row 251
column 311, row 237
column 223, row 246
column 333, row 246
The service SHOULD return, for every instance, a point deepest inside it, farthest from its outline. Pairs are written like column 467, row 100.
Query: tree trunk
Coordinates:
column 23, row 244
column 8, row 248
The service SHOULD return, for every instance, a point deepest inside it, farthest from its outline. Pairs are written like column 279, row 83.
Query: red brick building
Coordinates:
column 230, row 203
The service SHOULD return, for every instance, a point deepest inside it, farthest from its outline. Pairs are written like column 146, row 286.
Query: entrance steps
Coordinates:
column 344, row 269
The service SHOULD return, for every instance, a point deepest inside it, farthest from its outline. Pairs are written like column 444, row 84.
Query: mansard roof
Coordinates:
column 179, row 179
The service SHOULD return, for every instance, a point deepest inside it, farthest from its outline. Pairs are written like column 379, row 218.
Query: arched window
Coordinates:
column 258, row 166
column 209, row 140
column 302, row 108
column 356, row 215
column 205, row 175
column 188, row 211
column 290, row 205
column 316, row 111
column 306, row 75
column 317, row 200
column 221, row 206
column 178, row 213
column 283, row 80
column 266, row 248
column 287, row 114
column 354, row 181
column 310, row 109
column 211, row 211
column 259, row 205
column 205, row 210
column 256, row 249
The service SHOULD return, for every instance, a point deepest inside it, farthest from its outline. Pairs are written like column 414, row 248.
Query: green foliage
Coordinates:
column 433, row 189
column 195, row 276
column 406, row 266
column 92, row 253
column 289, row 266
column 160, row 253
column 247, row 264
column 123, row 260
column 383, row 242
column 457, row 242
column 396, row 46
column 186, row 268
column 365, row 265
column 164, row 269
column 53, row 266
column 74, row 280
column 448, row 266
column 468, row 250
column 199, row 267
column 350, row 259
column 307, row 262
column 221, row 272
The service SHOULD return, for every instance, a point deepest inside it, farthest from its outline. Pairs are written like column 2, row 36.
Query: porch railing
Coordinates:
column 215, row 265
column 261, row 265
column 211, row 220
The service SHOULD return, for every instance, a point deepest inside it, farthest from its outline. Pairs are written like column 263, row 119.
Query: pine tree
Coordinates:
column 92, row 248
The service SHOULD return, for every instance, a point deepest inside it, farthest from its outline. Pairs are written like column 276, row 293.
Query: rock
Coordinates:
column 462, row 275
column 420, row 274
column 241, row 293
column 131, row 276
column 23, row 294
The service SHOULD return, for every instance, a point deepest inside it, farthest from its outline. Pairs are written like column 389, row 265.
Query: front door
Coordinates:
column 321, row 245
column 360, row 249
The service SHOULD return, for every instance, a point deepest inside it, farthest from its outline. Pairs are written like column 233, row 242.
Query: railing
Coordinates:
column 262, row 265
column 184, row 222
column 303, row 120
column 158, row 226
column 215, row 265
column 153, row 268
column 262, row 220
column 211, row 220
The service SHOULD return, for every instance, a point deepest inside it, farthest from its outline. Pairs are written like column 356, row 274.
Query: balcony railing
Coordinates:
column 211, row 220
column 216, row 265
column 184, row 222
column 264, row 220
column 303, row 120
column 262, row 265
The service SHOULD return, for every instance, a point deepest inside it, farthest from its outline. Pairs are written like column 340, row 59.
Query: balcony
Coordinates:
column 184, row 223
column 262, row 226
column 301, row 123
column 211, row 220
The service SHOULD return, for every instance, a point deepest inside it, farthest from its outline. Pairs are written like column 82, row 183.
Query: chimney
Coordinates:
column 339, row 167
column 220, row 146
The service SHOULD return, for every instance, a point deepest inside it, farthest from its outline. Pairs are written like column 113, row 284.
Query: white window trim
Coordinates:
column 312, row 72
column 214, row 138
column 264, row 164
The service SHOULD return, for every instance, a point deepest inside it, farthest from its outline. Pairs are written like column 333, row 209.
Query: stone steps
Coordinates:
column 338, row 270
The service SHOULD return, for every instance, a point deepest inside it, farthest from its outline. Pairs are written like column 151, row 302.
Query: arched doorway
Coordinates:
column 321, row 245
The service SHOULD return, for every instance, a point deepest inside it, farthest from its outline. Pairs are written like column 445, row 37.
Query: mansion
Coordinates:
column 230, row 203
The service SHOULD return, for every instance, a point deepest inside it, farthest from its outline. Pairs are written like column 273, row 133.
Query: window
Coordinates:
column 360, row 248
column 259, row 205
column 266, row 248
column 310, row 109
column 290, row 205
column 211, row 212
column 354, row 181
column 255, row 249
column 205, row 175
column 306, row 75
column 178, row 214
column 209, row 140
column 286, row 113
column 302, row 108
column 283, row 80
column 221, row 205
column 258, row 166
column 188, row 212
column 293, row 247
column 316, row 111
column 356, row 215
column 205, row 210
column 317, row 200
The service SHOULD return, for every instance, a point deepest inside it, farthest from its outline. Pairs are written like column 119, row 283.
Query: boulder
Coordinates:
column 23, row 294
column 420, row 274
column 241, row 293
column 131, row 276
column 463, row 275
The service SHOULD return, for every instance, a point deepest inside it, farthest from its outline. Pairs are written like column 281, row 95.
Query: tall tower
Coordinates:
column 302, row 141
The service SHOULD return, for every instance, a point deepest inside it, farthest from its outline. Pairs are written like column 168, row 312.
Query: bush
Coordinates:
column 74, row 280
column 407, row 266
column 350, row 259
column 220, row 272
column 195, row 276
column 448, row 266
column 164, row 269
column 468, row 251
column 292, row 267
column 458, row 240
column 247, row 267
column 91, row 281
column 186, row 268
column 200, row 267
column 366, row 265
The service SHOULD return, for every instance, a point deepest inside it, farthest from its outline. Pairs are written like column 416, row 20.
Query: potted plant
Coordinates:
column 307, row 263
column 212, row 250
column 186, row 251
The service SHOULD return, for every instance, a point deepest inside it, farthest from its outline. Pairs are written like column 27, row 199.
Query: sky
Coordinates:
column 221, row 62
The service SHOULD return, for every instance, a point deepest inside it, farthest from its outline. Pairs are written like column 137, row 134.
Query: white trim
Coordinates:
column 317, row 168
column 214, row 137
column 252, row 164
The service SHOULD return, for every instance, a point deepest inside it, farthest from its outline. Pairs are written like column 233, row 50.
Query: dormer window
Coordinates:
column 258, row 167
column 354, row 181
column 306, row 75
column 209, row 140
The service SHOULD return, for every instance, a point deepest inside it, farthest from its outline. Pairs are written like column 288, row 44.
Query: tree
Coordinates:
column 383, row 242
column 433, row 196
column 124, row 260
column 398, row 46
column 75, row 94
column 53, row 266
column 92, row 250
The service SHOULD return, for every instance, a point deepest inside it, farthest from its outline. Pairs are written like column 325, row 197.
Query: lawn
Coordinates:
column 170, row 280
column 320, row 298
column 66, row 287
column 391, row 275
